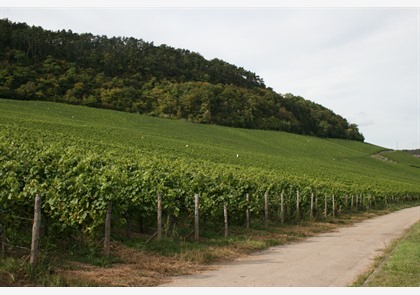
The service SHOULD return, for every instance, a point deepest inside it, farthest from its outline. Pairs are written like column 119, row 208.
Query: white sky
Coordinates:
column 360, row 61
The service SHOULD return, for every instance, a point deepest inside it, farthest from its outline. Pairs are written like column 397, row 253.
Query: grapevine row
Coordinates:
column 77, row 182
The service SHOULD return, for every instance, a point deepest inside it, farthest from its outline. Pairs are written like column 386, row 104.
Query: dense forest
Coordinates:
column 133, row 75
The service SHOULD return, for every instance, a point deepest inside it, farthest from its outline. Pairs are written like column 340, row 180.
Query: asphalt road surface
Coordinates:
column 333, row 259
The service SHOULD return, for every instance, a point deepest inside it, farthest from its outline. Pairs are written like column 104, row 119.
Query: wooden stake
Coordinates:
column 298, row 206
column 266, row 209
column 151, row 238
column 326, row 207
column 196, row 217
column 225, row 214
column 159, row 216
column 333, row 206
column 35, row 230
column 312, row 206
column 107, row 240
column 247, row 211
column 282, row 207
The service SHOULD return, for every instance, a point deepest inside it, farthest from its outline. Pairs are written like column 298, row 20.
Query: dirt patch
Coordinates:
column 380, row 156
column 138, row 269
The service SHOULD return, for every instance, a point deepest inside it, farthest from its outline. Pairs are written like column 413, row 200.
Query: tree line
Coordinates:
column 133, row 75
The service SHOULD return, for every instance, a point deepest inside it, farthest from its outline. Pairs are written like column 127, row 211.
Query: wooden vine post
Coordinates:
column 297, row 206
column 159, row 216
column 352, row 203
column 225, row 214
column 266, row 209
column 196, row 217
column 35, row 230
column 312, row 206
column 247, row 211
column 333, row 206
column 282, row 207
column 326, row 206
column 107, row 240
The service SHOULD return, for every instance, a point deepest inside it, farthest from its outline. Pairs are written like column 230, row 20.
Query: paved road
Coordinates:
column 329, row 260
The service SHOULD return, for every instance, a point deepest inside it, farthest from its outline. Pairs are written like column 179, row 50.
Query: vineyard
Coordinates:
column 81, row 160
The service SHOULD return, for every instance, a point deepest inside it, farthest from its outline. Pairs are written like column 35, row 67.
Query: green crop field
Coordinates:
column 281, row 152
column 80, row 158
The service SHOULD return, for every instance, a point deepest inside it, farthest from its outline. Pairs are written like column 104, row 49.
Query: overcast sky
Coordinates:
column 362, row 63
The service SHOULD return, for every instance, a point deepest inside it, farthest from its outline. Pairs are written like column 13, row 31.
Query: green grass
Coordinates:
column 304, row 156
column 399, row 267
column 16, row 272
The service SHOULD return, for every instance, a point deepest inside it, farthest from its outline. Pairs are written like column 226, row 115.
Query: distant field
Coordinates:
column 284, row 153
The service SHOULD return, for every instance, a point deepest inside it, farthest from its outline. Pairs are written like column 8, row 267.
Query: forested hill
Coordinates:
column 133, row 75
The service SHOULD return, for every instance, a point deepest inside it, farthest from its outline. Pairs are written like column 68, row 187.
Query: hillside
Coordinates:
column 133, row 75
column 81, row 160
column 307, row 157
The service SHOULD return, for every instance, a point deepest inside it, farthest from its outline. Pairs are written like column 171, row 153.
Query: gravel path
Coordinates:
column 330, row 259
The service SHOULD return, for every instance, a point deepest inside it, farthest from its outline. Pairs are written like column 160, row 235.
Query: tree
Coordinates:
column 132, row 75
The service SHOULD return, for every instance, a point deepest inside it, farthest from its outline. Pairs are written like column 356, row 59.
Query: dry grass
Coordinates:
column 136, row 269
column 142, row 267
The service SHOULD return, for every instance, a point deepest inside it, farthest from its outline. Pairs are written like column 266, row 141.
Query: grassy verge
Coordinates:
column 399, row 266
column 136, row 262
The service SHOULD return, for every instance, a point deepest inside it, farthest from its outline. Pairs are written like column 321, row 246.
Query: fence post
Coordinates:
column 298, row 206
column 326, row 206
column 312, row 206
column 35, row 230
column 107, row 240
column 225, row 214
column 333, row 205
column 159, row 216
column 266, row 209
column 282, row 207
column 247, row 211
column 196, row 217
